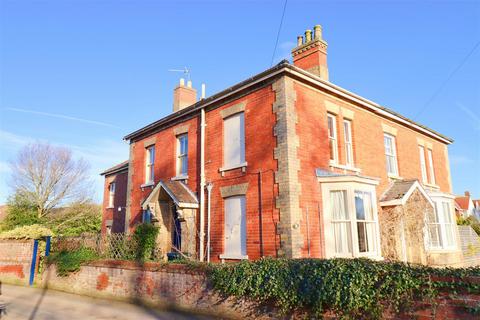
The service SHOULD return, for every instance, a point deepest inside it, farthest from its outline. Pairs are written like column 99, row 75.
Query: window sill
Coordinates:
column 242, row 166
column 109, row 207
column 233, row 256
column 432, row 186
column 345, row 167
column 179, row 178
column 148, row 184
column 394, row 176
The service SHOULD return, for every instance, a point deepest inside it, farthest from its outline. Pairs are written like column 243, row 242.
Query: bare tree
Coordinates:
column 48, row 176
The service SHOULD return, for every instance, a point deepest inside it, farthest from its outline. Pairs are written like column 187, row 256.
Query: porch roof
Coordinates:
column 180, row 194
column 399, row 192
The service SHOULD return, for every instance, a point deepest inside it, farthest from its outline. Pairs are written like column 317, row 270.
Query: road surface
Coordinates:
column 37, row 304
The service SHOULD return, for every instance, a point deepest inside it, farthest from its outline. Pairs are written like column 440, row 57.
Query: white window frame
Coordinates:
column 423, row 164
column 229, row 139
column 431, row 167
column 441, row 225
column 332, row 138
column 350, row 188
column 347, row 133
column 242, row 253
column 392, row 154
column 181, row 155
column 150, row 164
column 111, row 194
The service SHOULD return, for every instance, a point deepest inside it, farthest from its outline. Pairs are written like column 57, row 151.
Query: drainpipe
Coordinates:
column 209, row 190
column 202, row 184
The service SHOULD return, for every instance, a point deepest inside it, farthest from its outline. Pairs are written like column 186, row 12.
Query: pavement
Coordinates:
column 41, row 304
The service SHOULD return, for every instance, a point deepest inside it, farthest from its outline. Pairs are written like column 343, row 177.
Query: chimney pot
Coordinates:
column 467, row 193
column 317, row 32
column 184, row 96
column 308, row 36
column 203, row 91
column 299, row 41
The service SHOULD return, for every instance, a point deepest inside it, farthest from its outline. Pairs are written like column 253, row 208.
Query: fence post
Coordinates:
column 47, row 246
column 34, row 261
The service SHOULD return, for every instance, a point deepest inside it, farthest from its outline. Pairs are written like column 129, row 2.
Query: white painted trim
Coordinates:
column 237, row 166
column 233, row 256
column 349, row 179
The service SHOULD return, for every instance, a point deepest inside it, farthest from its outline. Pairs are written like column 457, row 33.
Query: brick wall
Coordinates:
column 312, row 106
column 180, row 286
column 15, row 260
column 119, row 201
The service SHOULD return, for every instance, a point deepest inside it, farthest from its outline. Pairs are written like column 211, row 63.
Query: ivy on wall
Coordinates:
column 350, row 288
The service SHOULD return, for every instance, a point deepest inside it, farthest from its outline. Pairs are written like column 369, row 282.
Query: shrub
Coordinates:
column 20, row 212
column 70, row 261
column 351, row 288
column 34, row 231
column 145, row 236
column 76, row 219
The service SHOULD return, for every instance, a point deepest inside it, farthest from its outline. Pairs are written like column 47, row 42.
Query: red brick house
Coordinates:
column 288, row 164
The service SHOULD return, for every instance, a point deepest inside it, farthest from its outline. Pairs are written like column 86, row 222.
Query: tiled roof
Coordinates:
column 463, row 202
column 176, row 190
column 398, row 190
column 119, row 167
column 181, row 192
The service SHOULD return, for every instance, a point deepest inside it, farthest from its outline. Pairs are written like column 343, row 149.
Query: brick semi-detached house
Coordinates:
column 287, row 164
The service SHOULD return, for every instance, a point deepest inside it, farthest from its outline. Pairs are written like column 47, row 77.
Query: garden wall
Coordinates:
column 182, row 287
column 15, row 260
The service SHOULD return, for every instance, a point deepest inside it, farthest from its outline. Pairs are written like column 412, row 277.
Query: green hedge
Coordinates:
column 351, row 288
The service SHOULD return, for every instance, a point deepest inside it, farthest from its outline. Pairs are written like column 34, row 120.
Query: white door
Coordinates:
column 235, row 226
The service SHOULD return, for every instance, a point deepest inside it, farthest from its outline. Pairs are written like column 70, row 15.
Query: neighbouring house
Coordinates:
column 288, row 164
column 115, row 198
column 466, row 206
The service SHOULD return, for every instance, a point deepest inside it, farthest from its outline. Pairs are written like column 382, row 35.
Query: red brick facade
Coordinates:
column 285, row 111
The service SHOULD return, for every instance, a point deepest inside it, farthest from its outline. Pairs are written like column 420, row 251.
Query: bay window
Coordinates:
column 441, row 226
column 351, row 221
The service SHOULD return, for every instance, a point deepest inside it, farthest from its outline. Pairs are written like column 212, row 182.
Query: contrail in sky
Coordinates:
column 61, row 116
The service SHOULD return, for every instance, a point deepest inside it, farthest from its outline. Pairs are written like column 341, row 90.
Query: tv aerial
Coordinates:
column 185, row 71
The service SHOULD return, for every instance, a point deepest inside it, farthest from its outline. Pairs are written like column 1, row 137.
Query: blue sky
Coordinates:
column 85, row 73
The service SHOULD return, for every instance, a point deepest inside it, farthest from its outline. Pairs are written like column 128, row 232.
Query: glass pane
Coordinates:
column 184, row 165
column 362, row 237
column 359, row 205
column 330, row 127
column 338, row 204
column 434, row 233
column 371, row 232
column 342, row 237
column 447, row 217
column 332, row 149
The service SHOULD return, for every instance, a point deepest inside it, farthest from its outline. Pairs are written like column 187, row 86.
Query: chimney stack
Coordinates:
column 184, row 96
column 311, row 53
column 467, row 193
